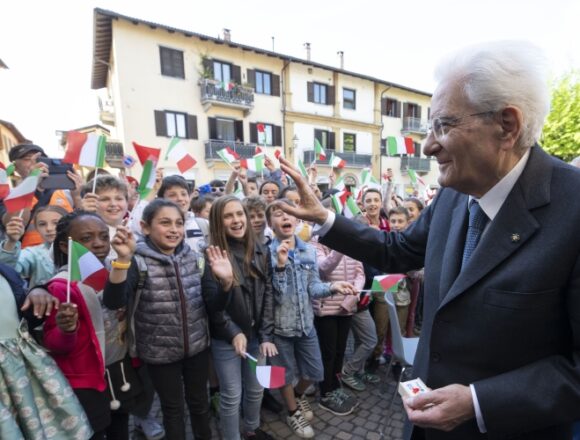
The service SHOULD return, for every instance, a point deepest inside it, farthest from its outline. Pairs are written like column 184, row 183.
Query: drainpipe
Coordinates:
column 282, row 91
column 380, row 137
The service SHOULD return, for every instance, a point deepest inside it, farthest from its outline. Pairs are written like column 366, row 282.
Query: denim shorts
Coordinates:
column 300, row 356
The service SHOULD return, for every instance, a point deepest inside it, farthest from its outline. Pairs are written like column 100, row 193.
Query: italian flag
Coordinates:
column 21, row 197
column 228, row 155
column 85, row 149
column 415, row 179
column 319, row 152
column 268, row 376
column 339, row 200
column 178, row 154
column 144, row 153
column 351, row 209
column 337, row 162
column 255, row 163
column 4, row 181
column 400, row 145
column 147, row 178
column 261, row 134
column 302, row 169
column 239, row 193
column 384, row 283
column 340, row 184
column 85, row 267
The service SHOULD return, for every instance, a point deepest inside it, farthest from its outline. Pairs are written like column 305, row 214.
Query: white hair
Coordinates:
column 502, row 73
column 576, row 162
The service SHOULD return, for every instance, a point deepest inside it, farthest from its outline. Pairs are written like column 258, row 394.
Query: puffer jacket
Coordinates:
column 334, row 266
column 169, row 317
column 247, row 307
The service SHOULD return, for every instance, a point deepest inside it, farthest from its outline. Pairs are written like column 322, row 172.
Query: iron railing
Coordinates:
column 354, row 160
column 416, row 163
column 414, row 125
column 212, row 146
column 226, row 93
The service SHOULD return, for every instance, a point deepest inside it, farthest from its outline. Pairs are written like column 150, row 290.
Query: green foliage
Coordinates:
column 561, row 134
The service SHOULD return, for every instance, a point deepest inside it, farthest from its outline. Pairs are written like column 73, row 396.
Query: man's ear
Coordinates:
column 511, row 122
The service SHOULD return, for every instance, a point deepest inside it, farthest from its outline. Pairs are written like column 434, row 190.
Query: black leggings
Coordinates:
column 332, row 335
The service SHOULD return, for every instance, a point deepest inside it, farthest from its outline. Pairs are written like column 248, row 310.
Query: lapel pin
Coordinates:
column 515, row 238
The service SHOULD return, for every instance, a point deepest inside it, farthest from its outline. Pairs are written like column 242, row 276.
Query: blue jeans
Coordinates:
column 300, row 356
column 234, row 374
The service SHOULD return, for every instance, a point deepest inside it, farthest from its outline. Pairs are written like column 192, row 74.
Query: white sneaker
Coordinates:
column 300, row 425
column 149, row 427
column 305, row 408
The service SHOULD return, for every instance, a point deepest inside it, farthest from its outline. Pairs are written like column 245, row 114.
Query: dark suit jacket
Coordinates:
column 509, row 323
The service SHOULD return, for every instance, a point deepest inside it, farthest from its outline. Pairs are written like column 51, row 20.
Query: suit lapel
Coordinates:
column 452, row 256
column 511, row 228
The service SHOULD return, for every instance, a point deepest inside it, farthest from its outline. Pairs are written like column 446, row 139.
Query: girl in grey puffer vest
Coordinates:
column 163, row 290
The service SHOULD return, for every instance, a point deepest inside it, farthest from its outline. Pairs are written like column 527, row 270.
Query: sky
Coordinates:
column 48, row 46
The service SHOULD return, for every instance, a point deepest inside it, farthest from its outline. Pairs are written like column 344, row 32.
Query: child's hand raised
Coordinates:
column 89, row 202
column 343, row 287
column 15, row 229
column 124, row 243
column 67, row 317
column 282, row 253
column 221, row 267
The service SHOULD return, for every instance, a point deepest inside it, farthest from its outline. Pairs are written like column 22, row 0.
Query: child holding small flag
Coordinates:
column 241, row 317
column 296, row 282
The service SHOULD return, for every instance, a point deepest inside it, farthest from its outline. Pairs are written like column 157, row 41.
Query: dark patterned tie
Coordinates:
column 477, row 221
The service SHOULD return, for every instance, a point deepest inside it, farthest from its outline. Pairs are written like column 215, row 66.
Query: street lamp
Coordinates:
column 294, row 143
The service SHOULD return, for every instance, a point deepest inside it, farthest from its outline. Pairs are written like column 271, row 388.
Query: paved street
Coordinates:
column 371, row 420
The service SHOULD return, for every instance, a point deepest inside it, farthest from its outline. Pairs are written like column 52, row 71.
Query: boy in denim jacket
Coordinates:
column 296, row 282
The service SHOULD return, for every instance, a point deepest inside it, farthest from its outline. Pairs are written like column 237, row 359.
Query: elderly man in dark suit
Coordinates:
column 501, row 332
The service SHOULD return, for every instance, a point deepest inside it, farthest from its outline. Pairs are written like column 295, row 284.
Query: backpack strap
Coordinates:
column 142, row 266
column 204, row 227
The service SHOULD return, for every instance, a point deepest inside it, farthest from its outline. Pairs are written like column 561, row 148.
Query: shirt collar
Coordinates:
column 492, row 201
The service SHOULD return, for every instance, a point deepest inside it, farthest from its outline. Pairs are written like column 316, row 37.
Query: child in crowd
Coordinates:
column 201, row 206
column 296, row 282
column 36, row 399
column 332, row 320
column 256, row 208
column 162, row 288
column 303, row 229
column 241, row 318
column 35, row 262
column 269, row 190
column 414, row 207
column 176, row 189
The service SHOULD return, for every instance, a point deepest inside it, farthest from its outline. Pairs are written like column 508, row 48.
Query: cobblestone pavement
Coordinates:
column 371, row 420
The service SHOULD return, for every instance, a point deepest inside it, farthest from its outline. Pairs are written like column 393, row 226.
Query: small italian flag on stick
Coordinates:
column 255, row 163
column 351, row 209
column 261, row 134
column 85, row 267
column 302, row 169
column 384, row 283
column 84, row 149
column 268, row 376
column 337, row 162
column 147, row 178
column 319, row 152
column 21, row 197
column 178, row 154
column 228, row 155
column 4, row 182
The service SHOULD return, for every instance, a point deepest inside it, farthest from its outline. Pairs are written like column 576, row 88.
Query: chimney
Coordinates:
column 227, row 35
column 340, row 54
column 307, row 46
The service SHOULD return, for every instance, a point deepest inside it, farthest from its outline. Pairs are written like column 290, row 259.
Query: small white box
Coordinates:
column 412, row 388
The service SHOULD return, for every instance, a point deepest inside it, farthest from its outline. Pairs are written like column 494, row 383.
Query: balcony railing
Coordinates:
column 414, row 125
column 229, row 95
column 353, row 160
column 416, row 163
column 212, row 146
column 114, row 154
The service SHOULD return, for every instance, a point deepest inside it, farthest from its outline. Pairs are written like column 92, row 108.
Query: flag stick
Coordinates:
column 95, row 180
column 248, row 355
column 69, row 256
column 21, row 213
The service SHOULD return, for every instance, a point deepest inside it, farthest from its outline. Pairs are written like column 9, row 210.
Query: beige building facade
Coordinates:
column 158, row 82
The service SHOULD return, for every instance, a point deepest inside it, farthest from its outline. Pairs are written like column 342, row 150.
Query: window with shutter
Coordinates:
column 251, row 74
column 160, row 126
column 239, row 131
column 171, row 62
column 321, row 93
column 277, row 140
column 349, row 142
column 275, row 85
column 349, row 98
column 176, row 124
column 310, row 91
column 263, row 82
column 390, row 107
column 326, row 138
column 191, row 127
column 222, row 72
column 236, row 74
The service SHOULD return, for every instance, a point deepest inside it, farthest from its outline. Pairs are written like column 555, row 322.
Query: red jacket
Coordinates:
column 78, row 354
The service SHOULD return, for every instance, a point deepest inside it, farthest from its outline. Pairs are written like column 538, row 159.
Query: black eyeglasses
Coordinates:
column 441, row 126
column 217, row 189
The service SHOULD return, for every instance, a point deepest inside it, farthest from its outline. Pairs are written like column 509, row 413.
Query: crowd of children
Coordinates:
column 198, row 283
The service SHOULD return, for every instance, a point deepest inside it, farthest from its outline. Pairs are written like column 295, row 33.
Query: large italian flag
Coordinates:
column 144, row 153
column 86, row 267
column 255, row 163
column 178, row 154
column 400, row 145
column 21, row 197
column 85, row 149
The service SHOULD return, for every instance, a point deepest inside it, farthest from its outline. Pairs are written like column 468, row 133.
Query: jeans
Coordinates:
column 170, row 381
column 300, row 356
column 365, row 339
column 238, row 383
column 332, row 334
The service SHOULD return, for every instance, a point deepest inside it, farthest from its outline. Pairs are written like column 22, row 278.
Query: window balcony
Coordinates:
column 212, row 146
column 114, row 154
column 414, row 125
column 353, row 160
column 420, row 164
column 228, row 95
